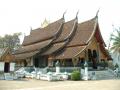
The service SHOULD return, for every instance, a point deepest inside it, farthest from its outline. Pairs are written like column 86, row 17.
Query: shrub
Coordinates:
column 75, row 75
column 103, row 64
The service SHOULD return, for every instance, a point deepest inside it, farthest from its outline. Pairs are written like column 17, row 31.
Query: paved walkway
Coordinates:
column 60, row 85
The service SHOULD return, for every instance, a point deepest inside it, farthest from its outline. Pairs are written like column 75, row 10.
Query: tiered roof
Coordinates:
column 34, row 47
column 25, row 55
column 79, row 40
column 63, row 37
column 40, row 38
column 43, row 34
column 60, row 39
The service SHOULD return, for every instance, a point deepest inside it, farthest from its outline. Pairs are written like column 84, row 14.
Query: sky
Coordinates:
column 21, row 15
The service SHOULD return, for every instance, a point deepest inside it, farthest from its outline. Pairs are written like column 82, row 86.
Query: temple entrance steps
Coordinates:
column 1, row 75
column 104, row 75
column 8, row 76
column 65, row 69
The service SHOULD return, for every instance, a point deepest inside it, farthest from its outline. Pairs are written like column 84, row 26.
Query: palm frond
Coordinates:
column 116, row 42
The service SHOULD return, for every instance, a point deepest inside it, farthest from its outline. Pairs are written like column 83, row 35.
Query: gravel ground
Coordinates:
column 59, row 85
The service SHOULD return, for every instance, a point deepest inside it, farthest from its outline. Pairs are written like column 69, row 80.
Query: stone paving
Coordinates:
column 32, row 84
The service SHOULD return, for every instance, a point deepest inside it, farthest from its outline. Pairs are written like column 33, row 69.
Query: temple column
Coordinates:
column 98, row 52
column 50, row 61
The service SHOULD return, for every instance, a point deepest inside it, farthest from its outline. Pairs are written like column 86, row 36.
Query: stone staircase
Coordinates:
column 8, row 76
column 104, row 75
column 2, row 76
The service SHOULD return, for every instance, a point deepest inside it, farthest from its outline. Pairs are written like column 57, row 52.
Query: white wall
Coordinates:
column 2, row 66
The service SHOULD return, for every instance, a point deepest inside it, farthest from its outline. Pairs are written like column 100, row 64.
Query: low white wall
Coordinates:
column 11, row 68
column 2, row 66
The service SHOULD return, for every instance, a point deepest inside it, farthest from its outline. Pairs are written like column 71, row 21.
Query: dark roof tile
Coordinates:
column 55, row 47
column 43, row 33
column 67, row 28
column 83, row 33
column 25, row 55
column 70, row 52
column 34, row 47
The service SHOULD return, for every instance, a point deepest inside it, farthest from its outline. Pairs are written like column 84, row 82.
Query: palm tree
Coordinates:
column 116, row 44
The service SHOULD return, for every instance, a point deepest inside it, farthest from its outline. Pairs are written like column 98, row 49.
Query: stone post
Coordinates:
column 85, row 71
column 57, row 67
column 49, row 76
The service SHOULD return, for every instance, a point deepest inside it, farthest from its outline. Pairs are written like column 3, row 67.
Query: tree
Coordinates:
column 116, row 43
column 11, row 41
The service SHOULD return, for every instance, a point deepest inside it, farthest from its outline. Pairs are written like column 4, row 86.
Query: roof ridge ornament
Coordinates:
column 64, row 14
column 77, row 14
column 97, row 13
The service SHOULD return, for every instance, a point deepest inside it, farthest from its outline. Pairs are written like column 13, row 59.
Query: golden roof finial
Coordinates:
column 45, row 23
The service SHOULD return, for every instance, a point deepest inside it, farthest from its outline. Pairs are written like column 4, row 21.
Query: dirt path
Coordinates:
column 60, row 85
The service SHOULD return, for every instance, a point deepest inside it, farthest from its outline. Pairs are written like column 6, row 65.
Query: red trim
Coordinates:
column 99, row 39
column 99, row 36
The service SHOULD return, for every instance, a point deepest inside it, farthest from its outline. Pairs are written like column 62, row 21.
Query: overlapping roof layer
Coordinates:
column 60, row 39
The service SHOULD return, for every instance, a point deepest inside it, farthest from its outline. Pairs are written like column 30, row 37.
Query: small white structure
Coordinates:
column 65, row 76
column 49, row 76
column 57, row 67
column 85, row 77
column 10, row 74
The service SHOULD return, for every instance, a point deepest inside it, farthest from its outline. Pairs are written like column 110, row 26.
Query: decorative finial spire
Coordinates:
column 64, row 13
column 30, row 28
column 77, row 14
column 97, row 13
column 45, row 23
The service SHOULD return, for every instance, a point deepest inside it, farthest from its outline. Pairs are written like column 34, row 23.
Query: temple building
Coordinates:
column 6, row 57
column 70, row 43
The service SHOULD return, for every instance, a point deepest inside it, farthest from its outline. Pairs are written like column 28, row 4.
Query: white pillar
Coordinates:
column 85, row 71
column 49, row 78
column 57, row 69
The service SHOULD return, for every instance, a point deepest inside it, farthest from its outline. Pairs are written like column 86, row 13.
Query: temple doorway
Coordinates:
column 41, row 61
column 36, row 62
column 6, row 67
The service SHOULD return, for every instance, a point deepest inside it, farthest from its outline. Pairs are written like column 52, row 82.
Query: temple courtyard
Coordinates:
column 31, row 84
